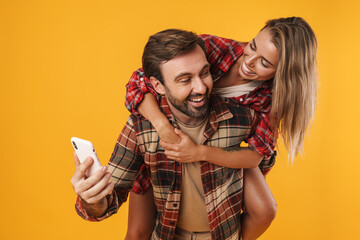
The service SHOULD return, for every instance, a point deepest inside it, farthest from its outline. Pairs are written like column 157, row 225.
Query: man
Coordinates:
column 194, row 197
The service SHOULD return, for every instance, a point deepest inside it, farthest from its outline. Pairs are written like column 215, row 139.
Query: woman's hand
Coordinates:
column 185, row 151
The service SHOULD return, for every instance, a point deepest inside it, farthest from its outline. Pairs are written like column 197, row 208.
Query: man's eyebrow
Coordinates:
column 254, row 43
column 180, row 75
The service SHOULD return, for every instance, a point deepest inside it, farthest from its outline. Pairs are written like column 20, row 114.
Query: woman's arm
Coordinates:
column 188, row 151
column 141, row 99
column 236, row 157
column 149, row 108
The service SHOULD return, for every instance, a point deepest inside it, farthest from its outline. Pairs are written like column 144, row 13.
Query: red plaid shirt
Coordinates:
column 221, row 53
column 138, row 145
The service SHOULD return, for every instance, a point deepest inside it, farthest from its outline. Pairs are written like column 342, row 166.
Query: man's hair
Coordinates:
column 166, row 45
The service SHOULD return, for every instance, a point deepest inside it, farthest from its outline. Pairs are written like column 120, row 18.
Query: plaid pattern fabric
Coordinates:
column 262, row 140
column 142, row 183
column 222, row 53
column 138, row 145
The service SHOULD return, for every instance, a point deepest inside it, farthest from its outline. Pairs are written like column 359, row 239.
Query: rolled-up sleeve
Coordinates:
column 113, row 207
column 137, row 86
column 262, row 140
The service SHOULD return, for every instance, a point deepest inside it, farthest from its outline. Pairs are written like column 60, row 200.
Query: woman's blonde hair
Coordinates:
column 295, row 85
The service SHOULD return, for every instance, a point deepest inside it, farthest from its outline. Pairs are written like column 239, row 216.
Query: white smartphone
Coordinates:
column 84, row 149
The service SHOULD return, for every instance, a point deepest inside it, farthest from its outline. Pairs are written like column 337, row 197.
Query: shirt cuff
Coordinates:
column 267, row 164
column 112, row 208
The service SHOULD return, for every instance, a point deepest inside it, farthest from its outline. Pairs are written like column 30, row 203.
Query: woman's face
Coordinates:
column 260, row 58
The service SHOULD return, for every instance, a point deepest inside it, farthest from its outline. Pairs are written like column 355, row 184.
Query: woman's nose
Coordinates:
column 250, row 60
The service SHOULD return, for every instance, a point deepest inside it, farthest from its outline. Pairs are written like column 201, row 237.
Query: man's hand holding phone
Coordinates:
column 94, row 189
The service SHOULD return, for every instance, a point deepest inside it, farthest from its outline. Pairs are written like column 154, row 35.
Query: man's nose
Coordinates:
column 199, row 86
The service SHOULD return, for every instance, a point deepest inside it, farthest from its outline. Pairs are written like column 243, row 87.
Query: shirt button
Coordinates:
column 175, row 205
column 172, row 223
column 141, row 79
column 241, row 99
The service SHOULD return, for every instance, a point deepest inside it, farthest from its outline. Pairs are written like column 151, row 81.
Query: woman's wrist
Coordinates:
column 202, row 152
column 161, row 123
column 166, row 131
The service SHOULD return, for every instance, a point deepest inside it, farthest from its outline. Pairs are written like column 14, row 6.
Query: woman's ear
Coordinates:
column 158, row 86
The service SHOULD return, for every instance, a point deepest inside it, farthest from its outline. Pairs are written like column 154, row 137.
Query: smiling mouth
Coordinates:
column 197, row 99
column 246, row 70
column 197, row 102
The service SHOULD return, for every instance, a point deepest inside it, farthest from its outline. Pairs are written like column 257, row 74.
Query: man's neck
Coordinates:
column 191, row 125
column 183, row 118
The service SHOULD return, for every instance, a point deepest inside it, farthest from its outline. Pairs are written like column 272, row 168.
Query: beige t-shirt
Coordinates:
column 192, row 214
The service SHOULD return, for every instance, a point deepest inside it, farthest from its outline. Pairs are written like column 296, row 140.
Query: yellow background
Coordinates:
column 63, row 70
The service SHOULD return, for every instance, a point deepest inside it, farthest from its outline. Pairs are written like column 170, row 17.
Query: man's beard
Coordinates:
column 183, row 106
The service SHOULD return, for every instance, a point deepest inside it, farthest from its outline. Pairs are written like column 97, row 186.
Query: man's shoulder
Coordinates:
column 232, row 112
column 146, row 136
column 139, row 123
column 234, row 122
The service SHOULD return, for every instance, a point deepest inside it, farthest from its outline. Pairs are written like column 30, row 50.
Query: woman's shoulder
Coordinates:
column 259, row 99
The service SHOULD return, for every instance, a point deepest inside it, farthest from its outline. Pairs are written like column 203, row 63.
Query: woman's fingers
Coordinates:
column 169, row 146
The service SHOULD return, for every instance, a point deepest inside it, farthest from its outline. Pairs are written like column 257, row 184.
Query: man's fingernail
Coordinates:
column 104, row 168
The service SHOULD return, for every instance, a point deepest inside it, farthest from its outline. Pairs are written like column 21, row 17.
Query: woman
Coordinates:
column 275, row 74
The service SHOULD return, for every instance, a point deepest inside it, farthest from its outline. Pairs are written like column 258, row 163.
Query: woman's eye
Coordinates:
column 264, row 63
column 252, row 47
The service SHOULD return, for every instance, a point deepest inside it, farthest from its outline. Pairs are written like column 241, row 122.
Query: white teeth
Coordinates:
column 247, row 69
column 196, row 99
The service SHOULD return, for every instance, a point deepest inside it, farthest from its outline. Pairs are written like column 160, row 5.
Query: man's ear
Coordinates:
column 158, row 86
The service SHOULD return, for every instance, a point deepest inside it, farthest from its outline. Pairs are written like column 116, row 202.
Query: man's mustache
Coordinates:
column 198, row 94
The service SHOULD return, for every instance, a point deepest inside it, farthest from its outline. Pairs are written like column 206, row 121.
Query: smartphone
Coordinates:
column 85, row 149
